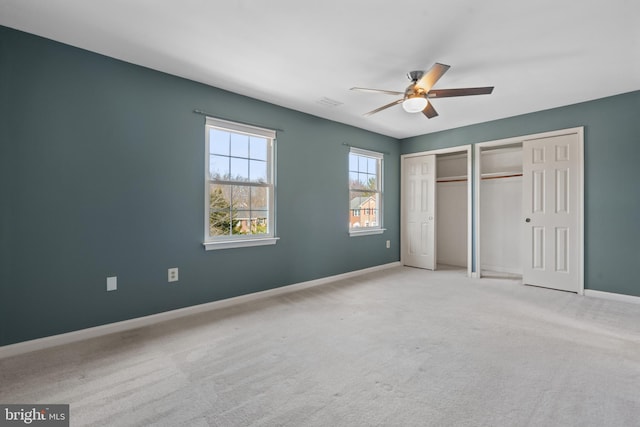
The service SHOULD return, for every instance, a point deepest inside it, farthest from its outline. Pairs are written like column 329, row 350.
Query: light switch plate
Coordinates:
column 112, row 283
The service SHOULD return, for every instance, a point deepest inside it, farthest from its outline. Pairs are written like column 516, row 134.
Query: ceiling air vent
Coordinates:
column 328, row 102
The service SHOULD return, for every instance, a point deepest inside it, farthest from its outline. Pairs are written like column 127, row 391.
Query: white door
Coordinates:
column 419, row 188
column 552, row 212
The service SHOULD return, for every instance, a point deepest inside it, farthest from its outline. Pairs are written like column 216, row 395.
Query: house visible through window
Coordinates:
column 240, row 188
column 365, row 191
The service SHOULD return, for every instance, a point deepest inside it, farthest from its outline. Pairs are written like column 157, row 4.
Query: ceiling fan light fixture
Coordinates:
column 414, row 104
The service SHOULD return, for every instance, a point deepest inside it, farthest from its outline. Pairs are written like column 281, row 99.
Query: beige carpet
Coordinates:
column 404, row 347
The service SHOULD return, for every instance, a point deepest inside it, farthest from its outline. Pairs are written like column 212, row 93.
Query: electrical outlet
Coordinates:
column 112, row 283
column 388, row 244
column 173, row 274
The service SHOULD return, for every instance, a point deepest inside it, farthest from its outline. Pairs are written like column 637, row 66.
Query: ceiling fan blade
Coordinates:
column 430, row 78
column 384, row 107
column 429, row 111
column 388, row 92
column 447, row 93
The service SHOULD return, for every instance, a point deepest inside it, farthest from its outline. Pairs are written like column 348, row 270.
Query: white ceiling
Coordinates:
column 294, row 53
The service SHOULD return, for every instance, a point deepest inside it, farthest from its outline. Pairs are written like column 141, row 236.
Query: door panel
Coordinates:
column 552, row 216
column 562, row 191
column 419, row 213
column 538, row 248
column 562, row 249
column 537, row 191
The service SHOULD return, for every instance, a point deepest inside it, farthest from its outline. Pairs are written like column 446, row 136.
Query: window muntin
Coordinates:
column 365, row 190
column 240, row 189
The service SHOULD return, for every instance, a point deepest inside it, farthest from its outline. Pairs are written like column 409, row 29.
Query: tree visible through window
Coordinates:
column 240, row 188
column 365, row 189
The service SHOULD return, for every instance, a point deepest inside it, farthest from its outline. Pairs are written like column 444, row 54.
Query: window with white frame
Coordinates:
column 240, row 188
column 365, row 191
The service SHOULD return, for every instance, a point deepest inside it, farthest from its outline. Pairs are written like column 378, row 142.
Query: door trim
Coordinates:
column 508, row 141
column 467, row 149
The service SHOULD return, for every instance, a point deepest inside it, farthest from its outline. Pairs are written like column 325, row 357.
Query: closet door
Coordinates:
column 419, row 188
column 551, row 173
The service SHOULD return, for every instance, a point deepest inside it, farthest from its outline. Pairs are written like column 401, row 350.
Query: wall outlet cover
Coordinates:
column 112, row 283
column 172, row 274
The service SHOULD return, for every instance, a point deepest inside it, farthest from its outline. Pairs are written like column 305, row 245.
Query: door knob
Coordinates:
column 527, row 220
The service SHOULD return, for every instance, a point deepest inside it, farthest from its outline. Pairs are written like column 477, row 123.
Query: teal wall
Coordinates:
column 103, row 174
column 612, row 194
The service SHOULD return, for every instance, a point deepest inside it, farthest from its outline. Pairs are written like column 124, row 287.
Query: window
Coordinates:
column 365, row 192
column 240, row 190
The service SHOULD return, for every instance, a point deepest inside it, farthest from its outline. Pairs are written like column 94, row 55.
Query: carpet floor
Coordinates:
column 401, row 347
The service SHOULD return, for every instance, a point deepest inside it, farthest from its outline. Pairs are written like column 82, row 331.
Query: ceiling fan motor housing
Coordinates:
column 414, row 76
column 414, row 92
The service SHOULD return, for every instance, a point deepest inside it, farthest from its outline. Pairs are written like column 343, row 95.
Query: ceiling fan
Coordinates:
column 416, row 98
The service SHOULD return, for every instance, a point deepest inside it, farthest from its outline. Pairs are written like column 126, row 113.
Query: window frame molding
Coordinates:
column 228, row 242
column 379, row 229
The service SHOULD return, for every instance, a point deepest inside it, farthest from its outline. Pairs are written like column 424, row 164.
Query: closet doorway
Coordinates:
column 436, row 209
column 529, row 209
column 500, row 210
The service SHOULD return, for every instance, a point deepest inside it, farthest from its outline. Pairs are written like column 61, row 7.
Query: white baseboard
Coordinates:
column 612, row 296
column 97, row 331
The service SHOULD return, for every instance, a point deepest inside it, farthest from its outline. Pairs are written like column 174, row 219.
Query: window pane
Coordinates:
column 239, row 169
column 353, row 179
column 257, row 171
column 372, row 165
column 259, row 210
column 240, row 145
column 219, row 210
column 372, row 182
column 219, row 142
column 353, row 162
column 363, row 180
column 259, row 198
column 355, row 201
column 240, row 196
column 362, row 164
column 240, row 213
column 260, row 223
column 242, row 222
column 219, row 167
column 258, row 148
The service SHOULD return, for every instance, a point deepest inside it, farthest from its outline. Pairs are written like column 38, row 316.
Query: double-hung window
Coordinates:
column 239, row 185
column 365, row 192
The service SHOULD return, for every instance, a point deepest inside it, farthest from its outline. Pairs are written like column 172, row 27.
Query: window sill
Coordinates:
column 211, row 246
column 366, row 232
